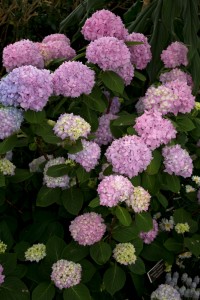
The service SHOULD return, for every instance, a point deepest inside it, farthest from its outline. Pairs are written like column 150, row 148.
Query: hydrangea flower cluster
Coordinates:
column 114, row 189
column 6, row 167
column 124, row 253
column 53, row 182
column 182, row 228
column 88, row 228
column 103, row 135
column 154, row 129
column 89, row 156
column 36, row 253
column 22, row 53
column 149, row 236
column 72, row 127
column 139, row 200
column 176, row 74
column 129, row 155
column 2, row 277
column 56, row 37
column 165, row 292
column 189, row 188
column 104, row 23
column 66, row 274
column 167, row 224
column 26, row 86
column 11, row 120
column 126, row 72
column 72, row 79
column 196, row 179
column 140, row 54
column 34, row 166
column 177, row 161
column 175, row 55
column 3, row 247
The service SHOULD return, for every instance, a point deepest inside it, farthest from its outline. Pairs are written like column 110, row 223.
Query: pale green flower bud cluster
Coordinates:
column 36, row 252
column 6, row 167
column 182, row 227
column 124, row 253
column 3, row 247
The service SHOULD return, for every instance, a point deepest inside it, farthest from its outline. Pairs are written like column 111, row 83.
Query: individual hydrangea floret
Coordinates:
column 167, row 224
column 35, row 165
column 104, row 23
column 2, row 277
column 176, row 74
column 72, row 127
column 182, row 228
column 35, row 253
column 103, row 135
column 165, row 292
column 3, row 247
column 177, row 161
column 129, row 155
column 27, row 87
column 196, row 179
column 7, row 167
column 149, row 236
column 53, row 182
column 11, row 120
column 72, row 79
column 175, row 55
column 139, row 200
column 140, row 54
column 56, row 37
column 114, row 189
column 124, row 253
column 22, row 53
column 88, row 228
column 154, row 129
column 66, row 274
column 89, row 156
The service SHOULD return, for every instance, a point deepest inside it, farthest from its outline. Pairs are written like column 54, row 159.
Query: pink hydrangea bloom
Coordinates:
column 56, row 37
column 154, row 129
column 89, row 156
column 88, row 228
column 72, row 79
column 2, row 277
column 177, row 161
column 140, row 54
column 104, row 23
column 175, row 55
column 72, row 127
column 149, row 236
column 129, row 155
column 126, row 72
column 27, row 87
column 114, row 189
column 176, row 74
column 66, row 274
column 139, row 200
column 103, row 133
column 55, row 50
column 11, row 119
column 22, row 53
column 108, row 53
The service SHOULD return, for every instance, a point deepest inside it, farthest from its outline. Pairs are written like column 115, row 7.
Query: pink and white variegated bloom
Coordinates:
column 176, row 74
column 139, row 200
column 149, row 236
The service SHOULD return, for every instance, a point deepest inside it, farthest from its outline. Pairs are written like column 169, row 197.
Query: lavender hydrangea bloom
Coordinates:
column 129, row 155
column 88, row 228
column 56, row 37
column 126, row 72
column 140, row 54
column 177, row 161
column 104, row 23
column 176, row 74
column 154, row 129
column 114, row 189
column 11, row 120
column 150, row 235
column 103, row 133
column 20, row 54
column 27, row 87
column 165, row 292
column 89, row 156
column 175, row 55
column 2, row 277
column 72, row 79
column 115, row 103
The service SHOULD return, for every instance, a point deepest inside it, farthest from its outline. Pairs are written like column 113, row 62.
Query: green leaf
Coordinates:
column 123, row 216
column 75, row 252
column 144, row 221
column 184, row 124
column 162, row 199
column 193, row 244
column 34, row 117
column 182, row 216
column 125, row 234
column 9, row 262
column 58, row 170
column 8, row 144
column 44, row 291
column 2, row 180
column 5, row 233
column 124, row 120
column 150, row 183
column 138, row 267
column 173, row 245
column 171, row 182
column 14, row 289
column 76, row 147
column 88, row 270
column 100, row 252
column 82, row 175
column 113, row 81
column 114, row 279
column 95, row 101
column 130, row 43
column 155, row 252
column 139, row 76
column 21, row 175
column 54, row 248
column 90, row 116
column 94, row 203
column 47, row 196
column 72, row 200
column 77, row 292
column 20, row 248
column 46, row 132
column 155, row 164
